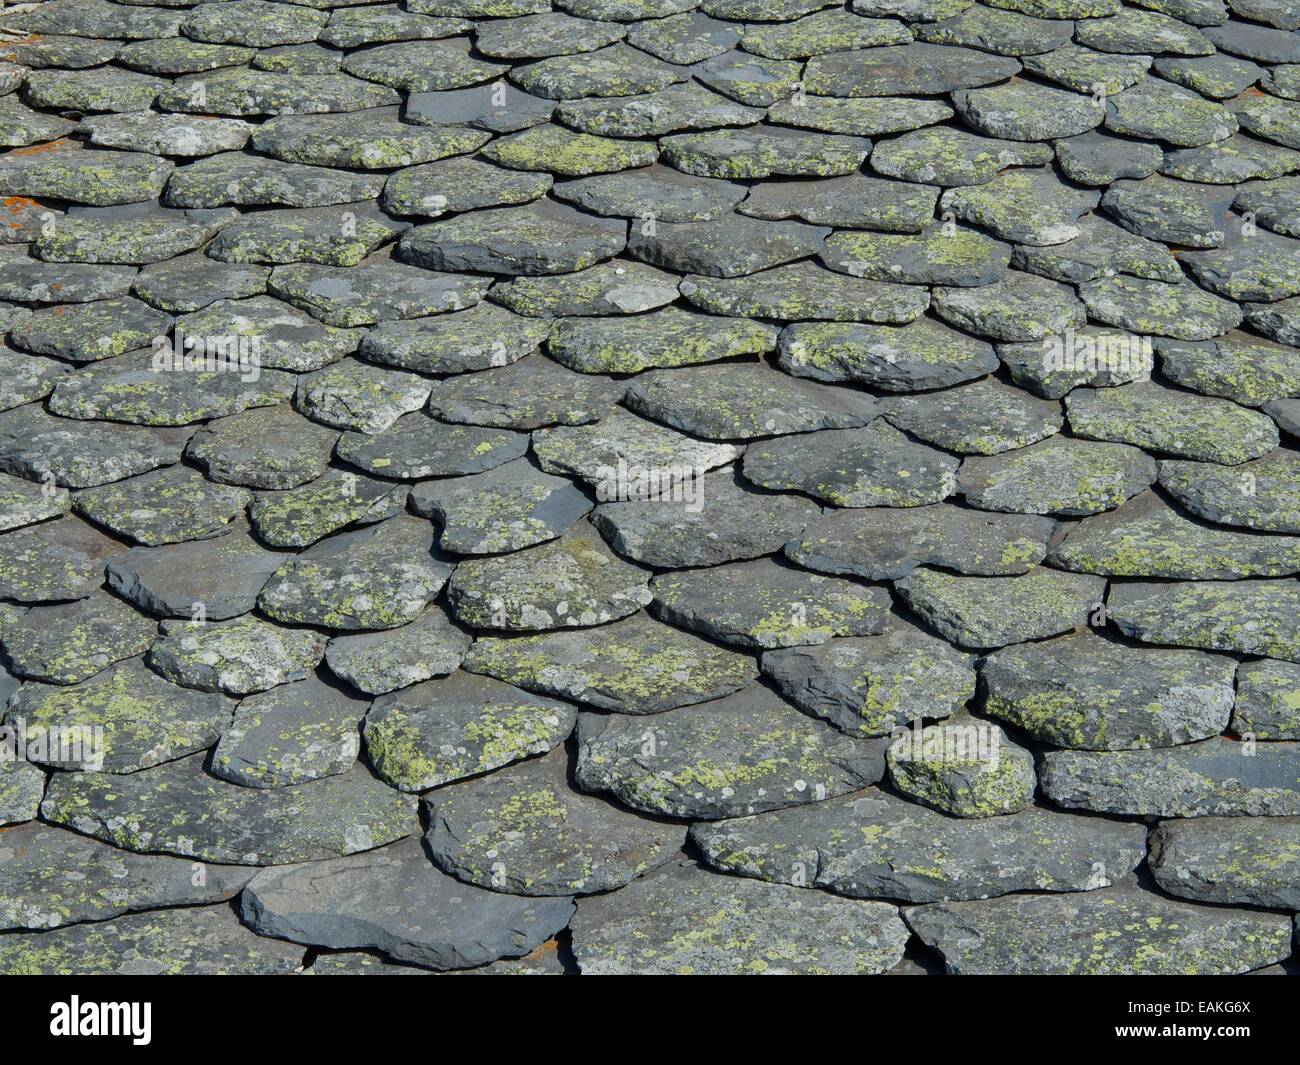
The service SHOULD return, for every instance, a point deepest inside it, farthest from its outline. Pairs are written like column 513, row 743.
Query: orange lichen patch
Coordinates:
column 18, row 204
column 548, row 948
column 1252, row 91
column 48, row 146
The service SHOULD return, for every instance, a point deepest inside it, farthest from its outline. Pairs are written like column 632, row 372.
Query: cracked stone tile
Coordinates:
column 1101, row 249
column 619, row 287
column 88, row 332
column 482, row 337
column 773, row 923
column 685, row 106
column 761, row 151
column 21, row 126
column 377, row 577
column 502, row 510
column 1275, row 205
column 1266, row 704
column 964, row 767
column 27, row 377
column 28, row 280
column 1097, row 158
column 24, row 503
column 633, row 666
column 1264, row 43
column 282, row 336
column 1263, row 494
column 654, row 192
column 541, row 238
column 1182, row 311
column 1025, row 111
column 806, row 291
column 21, row 787
column 856, row 201
column 255, row 181
column 192, row 282
column 1131, row 32
column 460, row 184
column 1085, row 70
column 246, row 93
column 1211, row 777
column 616, row 70
column 1280, row 321
column 991, row 612
column 875, row 685
column 1023, row 206
column 530, row 394
column 52, row 877
column 292, row 734
column 729, row 246
column 498, row 108
column 662, row 338
column 986, row 417
column 71, row 642
column 876, row 466
column 1160, row 110
column 207, row 940
column 742, row 754
column 544, row 35
column 825, row 31
column 417, row 446
column 305, row 514
column 366, row 140
column 1218, row 76
column 750, row 79
column 396, row 901
column 423, row 66
column 526, row 832
column 56, row 560
column 915, row 69
column 689, row 37
column 1083, row 692
column 179, row 809
column 351, row 27
column 571, row 581
column 742, row 523
column 1172, row 422
column 460, row 726
column 1140, row 932
column 556, row 150
column 1261, row 266
column 162, row 506
column 359, row 396
column 103, row 89
column 145, row 720
column 1235, row 861
column 875, row 845
column 742, row 401
column 378, row 289
column 1019, row 307
column 339, row 235
column 883, row 543
column 938, row 255
column 380, row 662
column 253, row 23
column 617, row 451
column 765, row 604
column 944, row 155
column 1251, row 617
column 861, row 116
column 217, row 578
column 1238, row 366
column 170, row 56
column 237, row 657
column 1059, row 475
column 1176, row 212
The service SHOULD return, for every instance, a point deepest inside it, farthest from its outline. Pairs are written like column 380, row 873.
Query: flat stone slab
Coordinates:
column 741, row 754
column 1042, row 935
column 268, row 447
column 88, row 332
column 761, row 928
column 875, row 684
column 480, row 338
column 564, row 152
column 54, row 561
column 762, row 151
column 193, row 281
column 653, row 191
column 21, row 787
column 206, row 940
column 1213, row 777
column 365, row 140
column 663, row 338
column 633, row 666
column 1162, row 208
column 339, row 235
column 948, row 156
column 179, row 809
column 729, row 246
column 67, row 643
column 1026, row 206
column 1100, row 249
column 1260, row 267
column 422, row 66
column 1238, row 861
column 236, row 657
column 616, row 70
column 394, row 900
column 804, row 290
column 1080, row 691
column 24, row 503
column 904, row 70
column 1268, row 703
column 618, row 287
column 418, row 446
column 533, row 393
column 254, row 180
column 51, row 877
column 989, row 612
column 459, row 726
column 525, row 831
column 1182, row 311
column 380, row 662
column 82, row 175
column 874, row 845
column 999, row 311
column 162, row 506
column 986, row 417
column 1098, row 158
column 1155, row 109
column 460, row 184
column 938, row 254
column 335, row 500
column 876, row 466
column 571, row 581
column 684, row 106
column 1240, row 367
